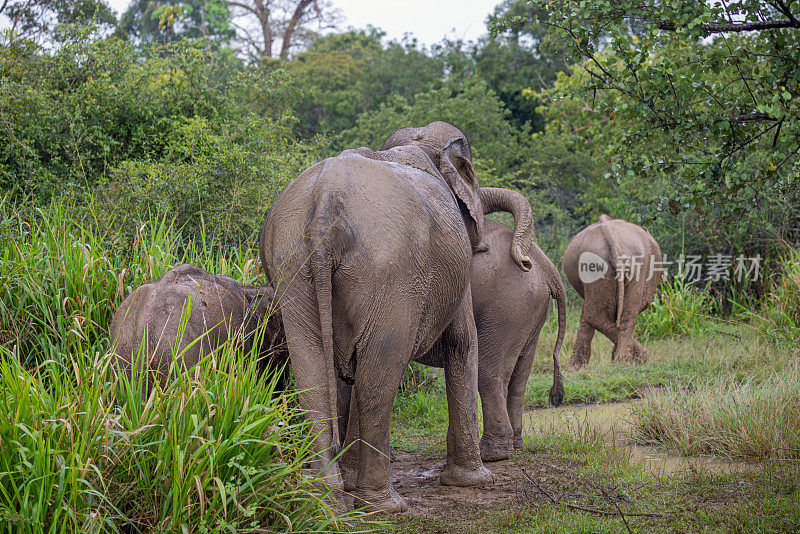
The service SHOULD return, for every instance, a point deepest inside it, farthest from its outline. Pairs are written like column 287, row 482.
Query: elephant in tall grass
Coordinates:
column 189, row 312
column 615, row 266
column 370, row 255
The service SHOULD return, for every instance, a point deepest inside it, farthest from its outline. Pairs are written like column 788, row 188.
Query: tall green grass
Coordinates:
column 82, row 450
column 778, row 317
column 61, row 277
column 678, row 308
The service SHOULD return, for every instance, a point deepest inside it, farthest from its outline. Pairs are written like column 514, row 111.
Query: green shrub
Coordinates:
column 227, row 174
column 778, row 317
column 72, row 112
column 678, row 308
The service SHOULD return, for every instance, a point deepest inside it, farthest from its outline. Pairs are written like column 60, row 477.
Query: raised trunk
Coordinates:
column 497, row 199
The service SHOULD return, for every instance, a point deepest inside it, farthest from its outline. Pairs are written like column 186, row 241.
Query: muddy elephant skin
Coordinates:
column 370, row 255
column 612, row 303
column 221, row 310
column 510, row 307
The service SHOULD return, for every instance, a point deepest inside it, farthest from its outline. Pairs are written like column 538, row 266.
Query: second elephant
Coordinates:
column 615, row 266
column 188, row 313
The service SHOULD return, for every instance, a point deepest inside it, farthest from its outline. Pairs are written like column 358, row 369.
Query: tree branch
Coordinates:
column 287, row 34
column 751, row 117
column 722, row 27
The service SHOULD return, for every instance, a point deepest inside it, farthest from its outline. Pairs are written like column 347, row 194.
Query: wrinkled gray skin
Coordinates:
column 610, row 305
column 221, row 310
column 370, row 256
column 510, row 307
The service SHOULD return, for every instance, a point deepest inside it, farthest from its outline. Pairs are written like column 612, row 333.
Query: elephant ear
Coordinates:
column 460, row 176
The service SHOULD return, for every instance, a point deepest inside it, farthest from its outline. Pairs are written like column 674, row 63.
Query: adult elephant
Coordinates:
column 510, row 307
column 613, row 265
column 510, row 302
column 370, row 255
column 189, row 312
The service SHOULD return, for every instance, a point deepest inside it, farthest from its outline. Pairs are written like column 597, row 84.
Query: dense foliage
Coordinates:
column 664, row 116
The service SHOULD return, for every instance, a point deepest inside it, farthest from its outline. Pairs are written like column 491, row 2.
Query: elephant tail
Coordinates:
column 556, row 287
column 322, row 273
column 612, row 240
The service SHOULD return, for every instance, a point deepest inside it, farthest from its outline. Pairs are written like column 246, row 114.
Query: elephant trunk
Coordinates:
column 497, row 199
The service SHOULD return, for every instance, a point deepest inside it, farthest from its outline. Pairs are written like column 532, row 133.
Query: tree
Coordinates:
column 36, row 19
column 706, row 94
column 263, row 23
column 159, row 21
column 345, row 75
column 472, row 106
column 527, row 57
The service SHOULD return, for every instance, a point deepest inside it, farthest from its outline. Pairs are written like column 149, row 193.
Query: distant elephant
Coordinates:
column 370, row 255
column 221, row 310
column 612, row 300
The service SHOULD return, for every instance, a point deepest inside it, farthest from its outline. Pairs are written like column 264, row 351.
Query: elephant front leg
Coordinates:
column 583, row 341
column 464, row 466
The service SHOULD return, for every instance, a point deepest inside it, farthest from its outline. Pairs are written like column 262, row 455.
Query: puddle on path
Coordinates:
column 614, row 422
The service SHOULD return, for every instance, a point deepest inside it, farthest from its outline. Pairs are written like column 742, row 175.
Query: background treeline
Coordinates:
column 201, row 111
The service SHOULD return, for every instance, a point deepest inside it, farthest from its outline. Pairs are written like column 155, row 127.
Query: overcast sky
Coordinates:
column 428, row 20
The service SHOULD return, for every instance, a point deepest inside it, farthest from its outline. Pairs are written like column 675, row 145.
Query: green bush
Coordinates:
column 74, row 111
column 221, row 177
column 778, row 317
column 678, row 308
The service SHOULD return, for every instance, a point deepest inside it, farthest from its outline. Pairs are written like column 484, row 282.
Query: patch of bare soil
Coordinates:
column 416, row 477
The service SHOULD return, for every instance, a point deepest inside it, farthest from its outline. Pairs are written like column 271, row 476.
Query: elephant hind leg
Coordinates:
column 497, row 441
column 460, row 338
column 381, row 363
column 582, row 351
column 516, row 389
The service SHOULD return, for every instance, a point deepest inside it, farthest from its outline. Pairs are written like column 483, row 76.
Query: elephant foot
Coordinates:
column 385, row 500
column 499, row 450
column 518, row 443
column 640, row 353
column 454, row 475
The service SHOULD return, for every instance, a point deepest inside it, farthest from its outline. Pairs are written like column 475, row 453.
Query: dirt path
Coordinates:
column 416, row 477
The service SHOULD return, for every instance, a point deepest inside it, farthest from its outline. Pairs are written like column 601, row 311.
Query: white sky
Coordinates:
column 428, row 20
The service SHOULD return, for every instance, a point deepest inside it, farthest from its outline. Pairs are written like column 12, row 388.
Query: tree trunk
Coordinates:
column 292, row 26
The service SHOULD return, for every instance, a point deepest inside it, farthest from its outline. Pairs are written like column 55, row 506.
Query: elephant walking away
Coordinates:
column 613, row 300
column 221, row 310
column 370, row 255
column 510, row 307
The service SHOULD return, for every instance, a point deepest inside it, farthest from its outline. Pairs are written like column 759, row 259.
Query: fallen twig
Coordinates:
column 614, row 513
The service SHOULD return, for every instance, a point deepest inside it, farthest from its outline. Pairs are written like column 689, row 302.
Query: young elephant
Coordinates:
column 612, row 300
column 221, row 310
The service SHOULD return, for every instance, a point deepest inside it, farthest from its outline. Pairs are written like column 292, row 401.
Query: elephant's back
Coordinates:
column 365, row 203
column 495, row 273
column 156, row 309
